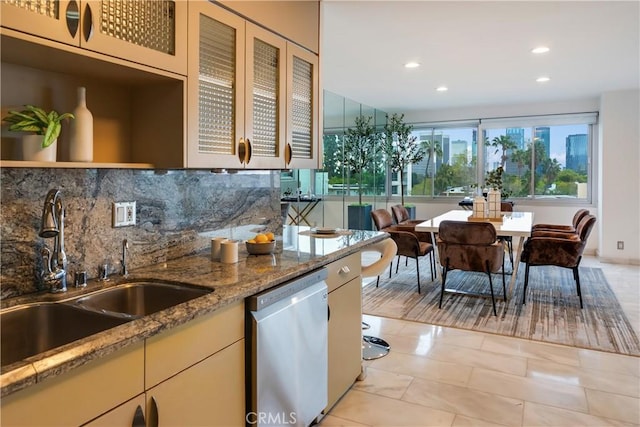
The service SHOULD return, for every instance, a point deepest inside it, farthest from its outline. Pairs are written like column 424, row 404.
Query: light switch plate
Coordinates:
column 124, row 214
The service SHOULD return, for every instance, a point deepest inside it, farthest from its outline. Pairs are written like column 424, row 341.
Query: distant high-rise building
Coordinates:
column 543, row 136
column 577, row 146
column 458, row 148
column 439, row 139
column 516, row 135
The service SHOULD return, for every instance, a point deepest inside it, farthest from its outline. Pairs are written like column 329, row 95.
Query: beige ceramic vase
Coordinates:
column 32, row 149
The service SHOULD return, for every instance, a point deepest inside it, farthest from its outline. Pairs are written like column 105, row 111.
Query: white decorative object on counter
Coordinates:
column 81, row 149
column 493, row 199
column 229, row 251
column 32, row 149
column 479, row 207
column 216, row 245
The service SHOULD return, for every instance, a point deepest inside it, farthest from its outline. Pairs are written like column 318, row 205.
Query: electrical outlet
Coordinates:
column 124, row 214
column 620, row 244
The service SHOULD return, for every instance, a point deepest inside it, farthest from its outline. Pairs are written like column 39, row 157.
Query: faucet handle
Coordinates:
column 103, row 272
column 80, row 279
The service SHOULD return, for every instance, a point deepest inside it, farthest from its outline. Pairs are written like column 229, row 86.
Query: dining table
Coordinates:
column 513, row 224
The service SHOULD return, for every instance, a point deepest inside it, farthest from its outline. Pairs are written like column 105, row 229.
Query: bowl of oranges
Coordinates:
column 261, row 244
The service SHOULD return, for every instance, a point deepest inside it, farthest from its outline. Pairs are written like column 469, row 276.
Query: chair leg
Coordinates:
column 526, row 283
column 390, row 268
column 431, row 265
column 444, row 279
column 493, row 299
column 397, row 264
column 510, row 247
column 576, row 276
column 377, row 281
column 504, row 286
column 418, row 273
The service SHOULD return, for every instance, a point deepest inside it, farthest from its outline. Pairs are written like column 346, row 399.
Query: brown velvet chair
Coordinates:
column 559, row 249
column 561, row 228
column 470, row 246
column 407, row 242
column 402, row 219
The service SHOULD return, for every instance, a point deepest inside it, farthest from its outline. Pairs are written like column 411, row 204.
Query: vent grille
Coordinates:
column 216, row 130
column 265, row 100
column 147, row 23
column 302, row 119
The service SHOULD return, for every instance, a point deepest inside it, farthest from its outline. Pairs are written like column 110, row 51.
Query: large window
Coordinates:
column 541, row 157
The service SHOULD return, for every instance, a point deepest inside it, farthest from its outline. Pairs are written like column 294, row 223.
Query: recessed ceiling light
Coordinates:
column 540, row 49
column 411, row 65
column 442, row 88
column 543, row 79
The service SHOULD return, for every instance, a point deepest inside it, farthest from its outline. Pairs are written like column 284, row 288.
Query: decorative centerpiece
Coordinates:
column 493, row 199
column 41, row 146
column 261, row 244
column 479, row 207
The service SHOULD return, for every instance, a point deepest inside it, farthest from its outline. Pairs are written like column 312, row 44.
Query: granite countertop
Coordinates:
column 297, row 253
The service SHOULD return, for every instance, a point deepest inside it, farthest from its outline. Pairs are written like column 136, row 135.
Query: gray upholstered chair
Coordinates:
column 560, row 249
column 470, row 246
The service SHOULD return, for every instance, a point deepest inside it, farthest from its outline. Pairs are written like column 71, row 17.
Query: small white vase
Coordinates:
column 81, row 142
column 32, row 149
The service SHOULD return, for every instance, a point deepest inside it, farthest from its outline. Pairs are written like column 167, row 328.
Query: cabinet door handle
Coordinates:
column 154, row 417
column 288, row 153
column 72, row 16
column 87, row 23
column 248, row 157
column 138, row 418
column 242, row 151
column 344, row 270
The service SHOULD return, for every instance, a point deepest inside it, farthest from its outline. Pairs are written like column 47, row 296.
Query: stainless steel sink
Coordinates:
column 139, row 299
column 32, row 329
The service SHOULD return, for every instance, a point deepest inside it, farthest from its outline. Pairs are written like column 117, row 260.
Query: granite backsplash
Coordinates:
column 178, row 211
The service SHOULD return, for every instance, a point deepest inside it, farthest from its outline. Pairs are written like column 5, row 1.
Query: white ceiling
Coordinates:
column 479, row 49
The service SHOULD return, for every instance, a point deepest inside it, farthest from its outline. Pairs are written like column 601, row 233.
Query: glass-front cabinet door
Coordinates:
column 57, row 20
column 215, row 112
column 149, row 32
column 302, row 127
column 265, row 109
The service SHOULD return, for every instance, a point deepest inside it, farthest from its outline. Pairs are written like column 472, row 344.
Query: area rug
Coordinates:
column 552, row 312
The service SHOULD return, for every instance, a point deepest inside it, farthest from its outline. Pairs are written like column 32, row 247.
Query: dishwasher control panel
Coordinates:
column 285, row 290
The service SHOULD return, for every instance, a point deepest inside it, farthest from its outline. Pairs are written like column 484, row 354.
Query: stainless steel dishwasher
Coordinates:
column 287, row 352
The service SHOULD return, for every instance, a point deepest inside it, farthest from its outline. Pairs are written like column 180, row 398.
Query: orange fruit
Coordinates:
column 251, row 241
column 270, row 236
column 261, row 238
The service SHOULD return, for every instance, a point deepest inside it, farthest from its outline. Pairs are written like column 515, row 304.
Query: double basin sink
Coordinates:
column 30, row 329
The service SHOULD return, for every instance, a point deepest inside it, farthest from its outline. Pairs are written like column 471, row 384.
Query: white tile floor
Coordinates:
column 437, row 376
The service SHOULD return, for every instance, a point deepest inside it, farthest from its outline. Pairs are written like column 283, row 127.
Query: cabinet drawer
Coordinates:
column 343, row 270
column 175, row 350
column 78, row 396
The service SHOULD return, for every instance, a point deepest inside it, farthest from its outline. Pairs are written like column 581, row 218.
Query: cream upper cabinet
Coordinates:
column 236, row 83
column 253, row 96
column 149, row 32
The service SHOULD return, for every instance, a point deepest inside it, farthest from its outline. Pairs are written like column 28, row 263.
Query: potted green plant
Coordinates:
column 400, row 148
column 359, row 150
column 44, row 129
column 493, row 181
